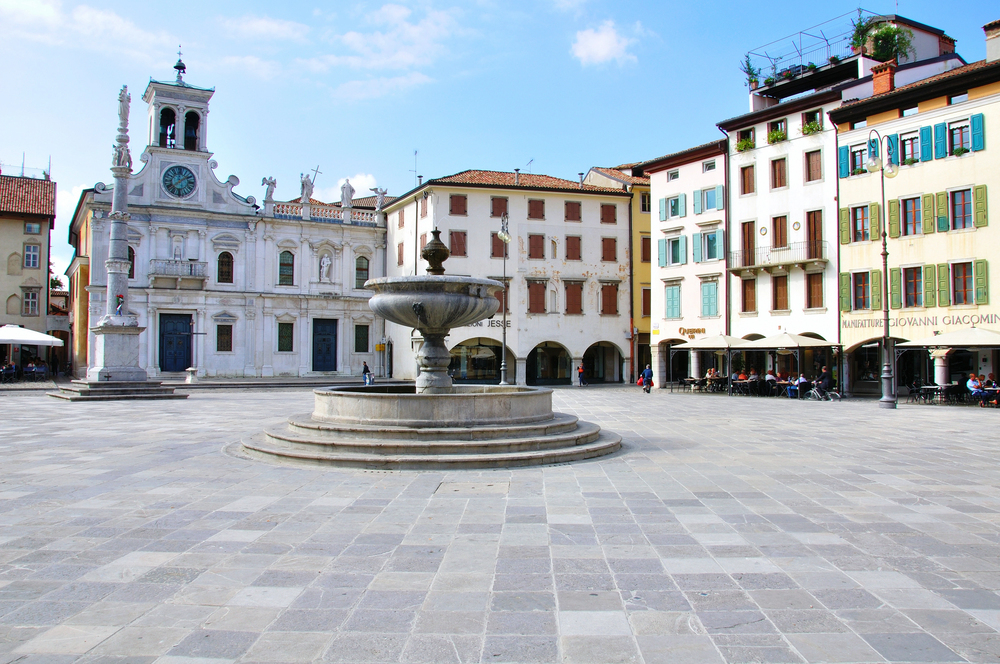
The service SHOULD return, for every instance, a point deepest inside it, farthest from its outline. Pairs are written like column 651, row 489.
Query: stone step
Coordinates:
column 582, row 434
column 70, row 396
column 82, row 390
column 605, row 443
column 305, row 426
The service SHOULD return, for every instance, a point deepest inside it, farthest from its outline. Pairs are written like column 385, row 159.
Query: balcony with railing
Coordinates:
column 795, row 253
column 170, row 273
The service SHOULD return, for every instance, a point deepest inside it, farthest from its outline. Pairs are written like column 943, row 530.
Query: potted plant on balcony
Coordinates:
column 834, row 60
column 812, row 127
column 811, row 67
column 858, row 171
column 959, row 151
column 862, row 28
column 910, row 161
column 769, row 81
column 776, row 136
column 745, row 144
column 891, row 42
column 752, row 73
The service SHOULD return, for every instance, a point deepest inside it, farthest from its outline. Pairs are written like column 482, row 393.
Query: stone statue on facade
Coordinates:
column 346, row 194
column 270, row 183
column 120, row 156
column 124, row 100
column 379, row 198
column 307, row 189
column 324, row 267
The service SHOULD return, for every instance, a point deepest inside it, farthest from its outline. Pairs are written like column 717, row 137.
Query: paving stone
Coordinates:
column 913, row 647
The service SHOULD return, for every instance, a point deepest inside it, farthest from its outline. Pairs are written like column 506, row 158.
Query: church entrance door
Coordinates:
column 175, row 342
column 324, row 344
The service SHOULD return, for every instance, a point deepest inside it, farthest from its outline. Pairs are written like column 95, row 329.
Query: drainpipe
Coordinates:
column 842, row 373
column 634, row 345
column 725, row 226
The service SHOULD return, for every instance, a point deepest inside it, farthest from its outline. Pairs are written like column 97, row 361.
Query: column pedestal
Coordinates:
column 116, row 356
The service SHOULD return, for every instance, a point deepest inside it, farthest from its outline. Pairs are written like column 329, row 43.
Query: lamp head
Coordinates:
column 504, row 236
column 891, row 170
column 873, row 164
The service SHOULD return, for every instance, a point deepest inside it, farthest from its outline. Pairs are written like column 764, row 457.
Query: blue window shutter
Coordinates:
column 893, row 148
column 978, row 132
column 940, row 140
column 720, row 238
column 720, row 198
column 872, row 147
column 844, row 161
column 673, row 302
column 663, row 209
column 696, row 247
column 926, row 144
column 661, row 245
column 682, row 241
column 704, row 300
column 696, row 202
column 682, row 205
column 714, row 292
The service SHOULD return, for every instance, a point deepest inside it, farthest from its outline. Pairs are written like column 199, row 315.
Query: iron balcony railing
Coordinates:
column 795, row 252
column 159, row 267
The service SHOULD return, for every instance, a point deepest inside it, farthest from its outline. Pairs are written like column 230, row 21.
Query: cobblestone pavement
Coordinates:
column 727, row 530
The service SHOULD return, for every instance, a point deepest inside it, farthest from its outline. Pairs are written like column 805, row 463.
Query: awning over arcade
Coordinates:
column 716, row 342
column 973, row 337
column 787, row 341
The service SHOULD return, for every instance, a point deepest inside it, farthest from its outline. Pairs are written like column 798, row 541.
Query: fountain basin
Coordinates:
column 446, row 301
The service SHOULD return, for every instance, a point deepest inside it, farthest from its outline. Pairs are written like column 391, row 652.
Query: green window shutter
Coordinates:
column 895, row 288
column 661, row 246
column 982, row 282
column 663, row 209
column 845, row 291
column 844, row 161
column 720, row 243
column 696, row 202
column 940, row 140
column 845, row 225
column 930, row 286
column 696, row 247
column 893, row 140
column 927, row 213
column 673, row 302
column 720, row 198
column 710, row 299
column 876, row 289
column 682, row 205
column 979, row 206
column 978, row 132
column 683, row 242
column 944, row 288
column 942, row 211
column 875, row 221
column 926, row 144
column 894, row 230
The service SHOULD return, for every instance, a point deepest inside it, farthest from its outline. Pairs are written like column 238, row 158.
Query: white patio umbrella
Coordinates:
column 787, row 340
column 716, row 342
column 13, row 334
column 973, row 337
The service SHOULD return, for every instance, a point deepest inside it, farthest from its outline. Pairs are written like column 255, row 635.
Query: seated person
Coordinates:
column 990, row 381
column 770, row 376
column 976, row 388
column 803, row 384
column 743, row 376
column 753, row 374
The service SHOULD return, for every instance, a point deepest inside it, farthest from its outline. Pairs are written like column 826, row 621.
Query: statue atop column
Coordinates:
column 346, row 194
column 124, row 101
column 379, row 198
column 270, row 183
column 307, row 189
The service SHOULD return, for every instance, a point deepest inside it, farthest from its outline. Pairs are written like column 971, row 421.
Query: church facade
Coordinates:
column 221, row 284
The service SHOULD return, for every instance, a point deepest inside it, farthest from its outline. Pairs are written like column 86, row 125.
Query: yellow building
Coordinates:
column 942, row 136
column 78, row 274
column 632, row 178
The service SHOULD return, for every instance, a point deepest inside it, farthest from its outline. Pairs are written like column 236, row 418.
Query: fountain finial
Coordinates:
column 435, row 253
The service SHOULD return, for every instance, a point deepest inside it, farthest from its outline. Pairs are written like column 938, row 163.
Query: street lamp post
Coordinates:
column 886, row 170
column 504, row 236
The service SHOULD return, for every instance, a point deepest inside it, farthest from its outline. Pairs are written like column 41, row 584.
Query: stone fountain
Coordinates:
column 433, row 424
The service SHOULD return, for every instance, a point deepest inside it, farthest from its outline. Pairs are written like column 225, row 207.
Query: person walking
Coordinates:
column 366, row 373
column 579, row 373
column 647, row 379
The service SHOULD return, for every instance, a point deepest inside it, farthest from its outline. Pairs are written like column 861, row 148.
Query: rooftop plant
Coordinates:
column 752, row 73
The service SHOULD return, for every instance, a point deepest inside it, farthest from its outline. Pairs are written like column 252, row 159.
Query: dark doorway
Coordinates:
column 175, row 342
column 324, row 344
column 548, row 364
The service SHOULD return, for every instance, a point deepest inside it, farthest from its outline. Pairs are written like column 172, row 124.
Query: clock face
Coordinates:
column 179, row 181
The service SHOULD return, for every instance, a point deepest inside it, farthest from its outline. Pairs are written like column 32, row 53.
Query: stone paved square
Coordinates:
column 726, row 530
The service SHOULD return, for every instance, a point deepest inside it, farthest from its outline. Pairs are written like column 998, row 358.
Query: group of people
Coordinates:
column 978, row 385
column 823, row 382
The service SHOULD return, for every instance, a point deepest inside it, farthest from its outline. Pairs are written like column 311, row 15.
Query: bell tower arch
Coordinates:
column 178, row 113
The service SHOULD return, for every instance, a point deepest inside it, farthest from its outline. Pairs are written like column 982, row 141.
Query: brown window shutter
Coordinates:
column 573, row 211
column 536, row 209
column 498, row 206
column 458, row 204
column 646, row 301
column 647, row 250
column 609, row 214
column 574, row 298
column 423, row 207
column 609, row 249
column 609, row 299
column 501, row 296
column 401, row 218
column 536, row 297
column 458, row 243
column 399, row 254
column 423, row 241
column 572, row 248
column 536, row 246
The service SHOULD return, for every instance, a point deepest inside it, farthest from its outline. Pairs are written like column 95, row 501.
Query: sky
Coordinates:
column 354, row 88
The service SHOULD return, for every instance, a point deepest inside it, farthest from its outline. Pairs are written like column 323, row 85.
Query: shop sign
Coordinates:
column 948, row 320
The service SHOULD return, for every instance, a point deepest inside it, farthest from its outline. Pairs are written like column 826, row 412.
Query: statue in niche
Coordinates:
column 270, row 183
column 324, row 267
column 346, row 194
column 379, row 198
column 307, row 189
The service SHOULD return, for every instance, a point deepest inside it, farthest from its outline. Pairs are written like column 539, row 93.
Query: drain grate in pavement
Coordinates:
column 472, row 488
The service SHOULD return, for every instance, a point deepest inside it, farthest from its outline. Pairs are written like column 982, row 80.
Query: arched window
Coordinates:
column 360, row 272
column 224, row 274
column 168, row 122
column 131, row 263
column 286, row 269
column 191, row 121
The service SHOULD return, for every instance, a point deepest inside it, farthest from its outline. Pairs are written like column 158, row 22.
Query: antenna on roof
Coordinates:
column 22, row 164
column 414, row 171
column 527, row 166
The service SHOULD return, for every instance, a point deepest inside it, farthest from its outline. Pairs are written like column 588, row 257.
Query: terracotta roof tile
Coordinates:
column 525, row 181
column 27, row 196
column 621, row 175
column 951, row 73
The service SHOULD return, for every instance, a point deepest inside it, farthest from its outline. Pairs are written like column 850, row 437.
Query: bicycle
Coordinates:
column 827, row 395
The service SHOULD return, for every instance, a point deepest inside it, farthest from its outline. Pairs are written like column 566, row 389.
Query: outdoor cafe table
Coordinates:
column 787, row 386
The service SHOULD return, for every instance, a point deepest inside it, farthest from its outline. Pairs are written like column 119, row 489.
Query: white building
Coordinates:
column 567, row 269
column 219, row 284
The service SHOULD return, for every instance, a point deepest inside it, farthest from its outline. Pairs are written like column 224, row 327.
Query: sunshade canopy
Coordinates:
column 786, row 340
column 719, row 341
column 12, row 334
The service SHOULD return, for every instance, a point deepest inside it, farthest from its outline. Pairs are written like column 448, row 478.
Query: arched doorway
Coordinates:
column 603, row 363
column 548, row 363
column 675, row 361
column 477, row 360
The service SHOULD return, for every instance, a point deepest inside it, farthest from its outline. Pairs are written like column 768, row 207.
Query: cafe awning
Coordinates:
column 973, row 337
column 787, row 340
column 14, row 334
column 717, row 342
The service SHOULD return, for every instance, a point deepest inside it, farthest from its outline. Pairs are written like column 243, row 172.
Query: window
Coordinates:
column 536, row 246
column 536, row 209
column 286, row 334
column 749, row 291
column 498, row 206
column 814, row 234
column 609, row 249
column 777, row 131
column 709, row 298
column 672, row 308
column 913, row 110
column 779, row 230
column 958, row 99
column 958, row 136
column 609, row 214
column 286, row 269
column 810, row 117
column 747, row 229
column 573, row 248
column 673, row 175
column 400, row 219
column 707, row 166
column 747, row 180
column 814, row 290
column 909, row 147
column 457, row 242
column 609, row 299
column 710, row 245
column 913, row 287
column 779, row 174
column 862, row 290
column 32, row 254
column 131, row 263
column 223, row 271
column 458, row 204
column 745, row 135
column 536, row 297
column 961, row 210
column 574, row 297
column 709, row 199
column 573, row 211
column 645, row 202
column 30, row 304
column 361, row 338
column 223, row 338
column 779, row 292
column 859, row 124
column 814, row 166
column 674, row 250
column 961, row 283
column 911, row 216
column 646, row 249
column 860, row 228
column 360, row 271
column 399, row 254
column 31, row 228
column 859, row 154
column 498, row 248
column 423, row 206
column 676, row 206
column 423, row 241
column 646, row 302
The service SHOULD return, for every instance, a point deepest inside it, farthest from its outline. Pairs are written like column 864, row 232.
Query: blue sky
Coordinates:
column 550, row 86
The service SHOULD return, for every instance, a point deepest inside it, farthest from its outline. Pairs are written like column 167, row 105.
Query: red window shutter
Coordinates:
column 572, row 248
column 536, row 246
column 536, row 297
column 423, row 241
column 609, row 249
column 572, row 211
column 646, row 301
column 458, row 204
column 536, row 209
column 498, row 206
column 609, row 214
column 609, row 299
column 574, row 298
column 458, row 243
column 399, row 254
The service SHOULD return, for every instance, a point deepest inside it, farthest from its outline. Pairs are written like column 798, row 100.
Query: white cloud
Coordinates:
column 594, row 47
column 361, row 182
column 66, row 201
column 374, row 88
column 251, row 64
column 265, row 27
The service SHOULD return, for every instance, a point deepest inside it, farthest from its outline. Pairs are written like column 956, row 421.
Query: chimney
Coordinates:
column 581, row 180
column 517, row 176
column 884, row 77
column 992, row 30
column 420, row 180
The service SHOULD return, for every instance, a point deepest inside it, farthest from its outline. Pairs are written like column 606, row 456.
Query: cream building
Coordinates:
column 567, row 267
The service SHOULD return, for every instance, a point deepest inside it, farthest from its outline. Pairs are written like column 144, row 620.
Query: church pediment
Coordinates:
column 226, row 242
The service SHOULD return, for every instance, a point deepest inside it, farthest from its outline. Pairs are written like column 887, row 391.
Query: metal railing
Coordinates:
column 159, row 267
column 795, row 252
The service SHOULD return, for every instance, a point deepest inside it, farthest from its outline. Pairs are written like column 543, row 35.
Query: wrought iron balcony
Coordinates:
column 795, row 253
